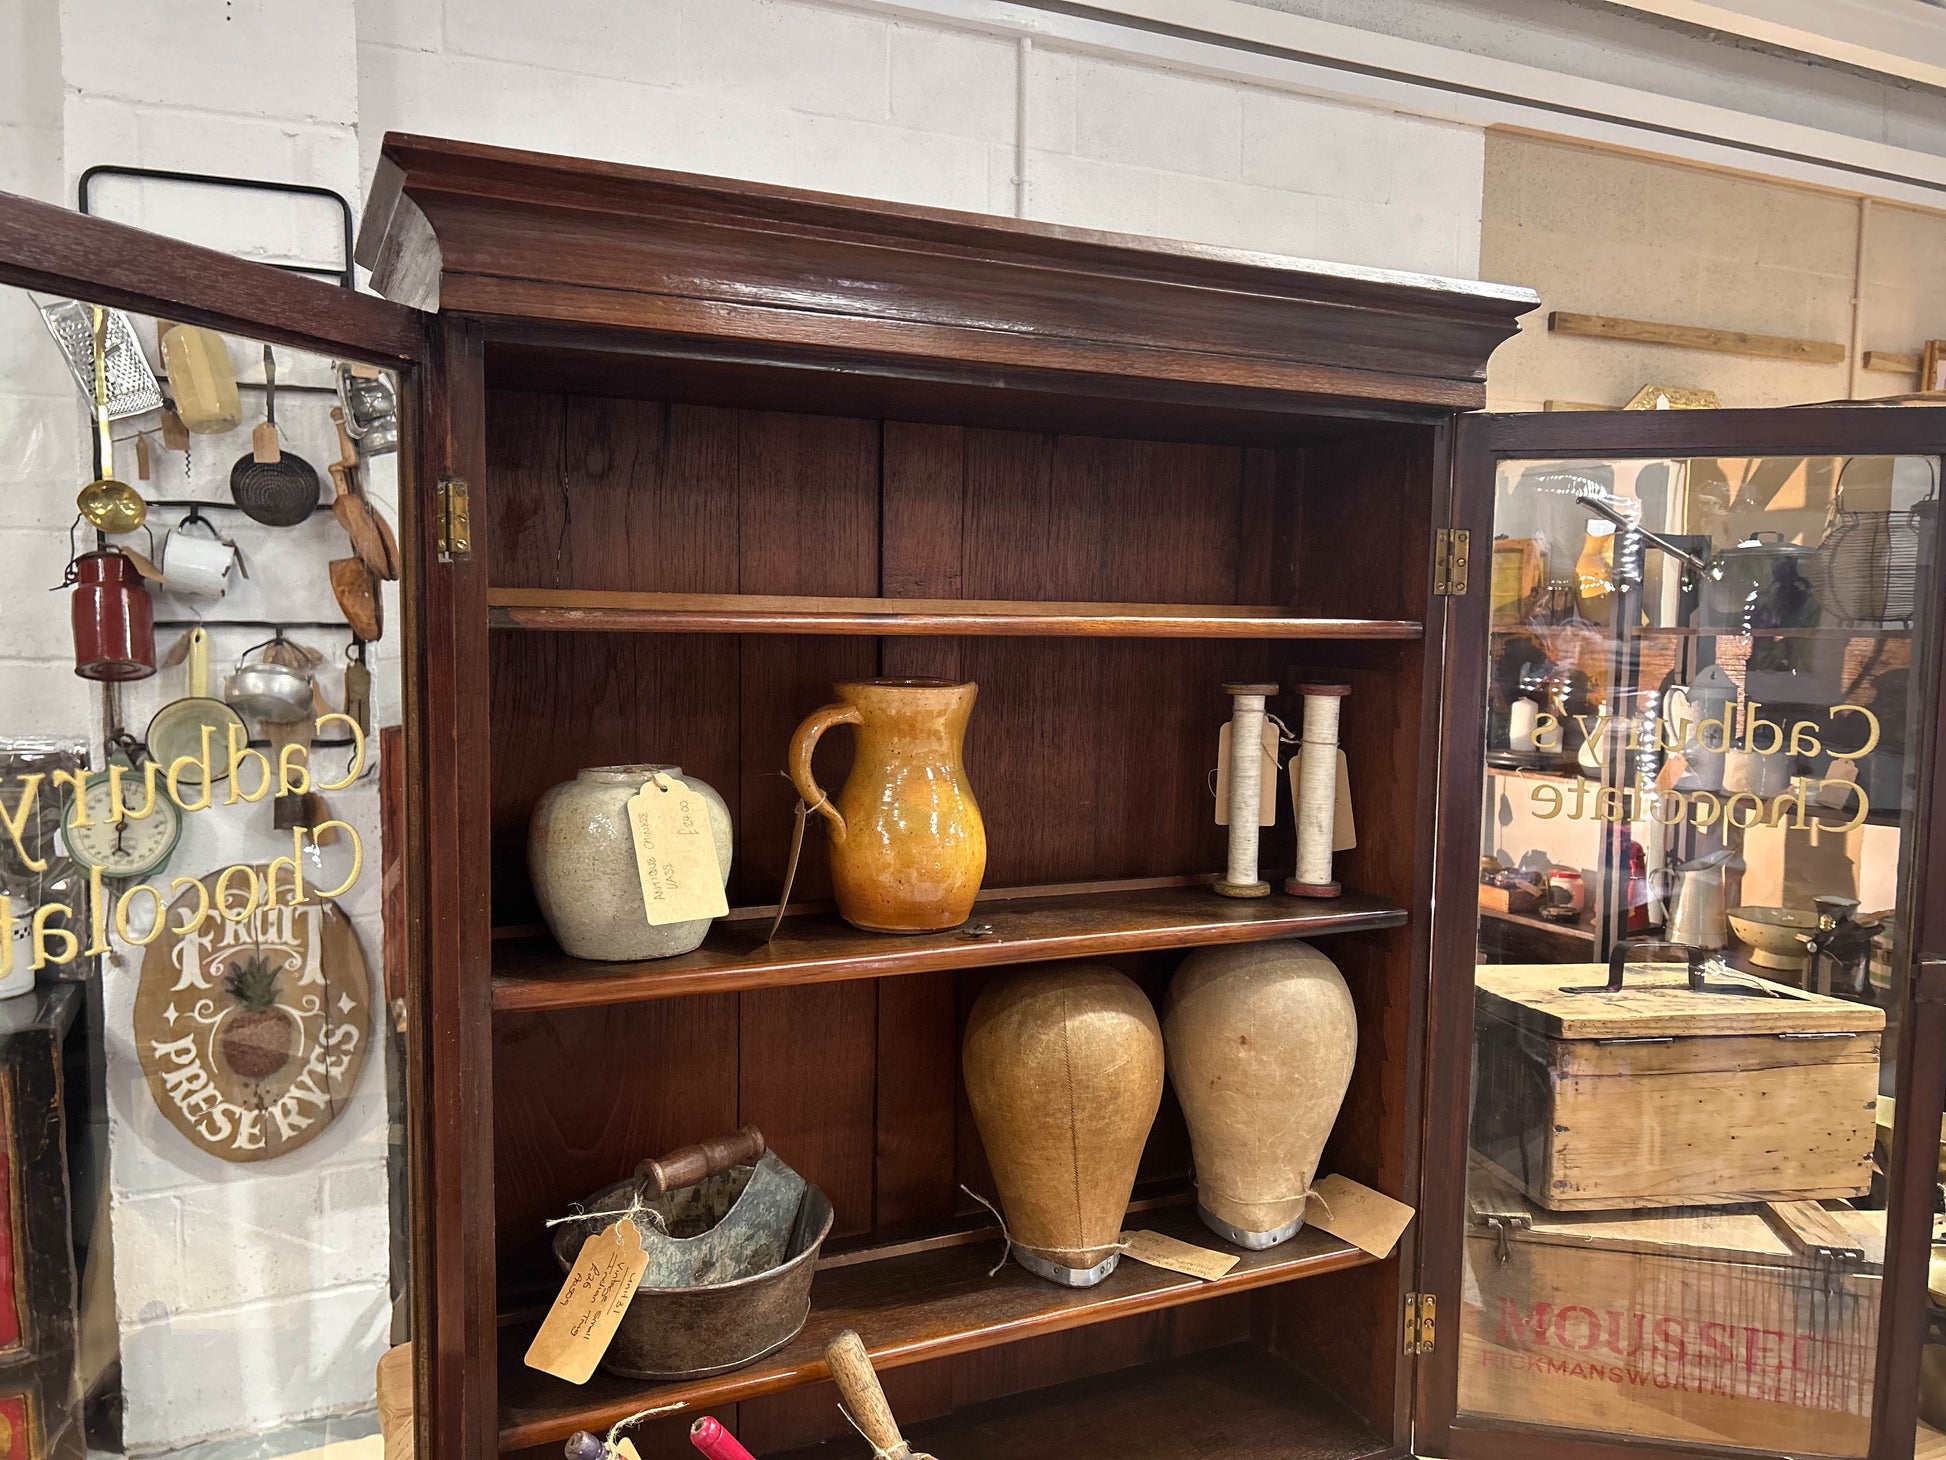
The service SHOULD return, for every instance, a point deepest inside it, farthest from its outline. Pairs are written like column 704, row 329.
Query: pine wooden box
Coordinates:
column 1709, row 1327
column 1659, row 1094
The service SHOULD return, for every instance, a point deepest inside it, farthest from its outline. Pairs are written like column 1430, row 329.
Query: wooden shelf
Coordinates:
column 910, row 1308
column 532, row 973
column 1236, row 1402
column 1541, row 925
column 579, row 610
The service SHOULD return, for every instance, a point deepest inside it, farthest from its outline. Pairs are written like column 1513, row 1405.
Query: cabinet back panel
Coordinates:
column 593, row 493
column 1090, row 758
column 857, row 1085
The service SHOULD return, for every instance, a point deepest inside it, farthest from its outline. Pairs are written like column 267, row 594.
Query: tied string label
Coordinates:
column 1158, row 1250
column 589, row 1308
column 675, row 853
column 1369, row 1220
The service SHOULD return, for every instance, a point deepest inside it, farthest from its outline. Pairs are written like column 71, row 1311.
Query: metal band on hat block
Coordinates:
column 1067, row 1277
column 1254, row 1241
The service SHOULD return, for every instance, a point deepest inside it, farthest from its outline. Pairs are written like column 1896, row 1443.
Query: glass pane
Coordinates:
column 1693, row 870
column 201, row 1127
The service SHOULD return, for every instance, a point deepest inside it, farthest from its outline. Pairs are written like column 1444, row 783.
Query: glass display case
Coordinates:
column 1700, row 691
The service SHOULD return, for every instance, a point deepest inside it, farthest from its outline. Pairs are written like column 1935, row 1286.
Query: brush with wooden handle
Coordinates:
column 851, row 1367
column 706, row 1435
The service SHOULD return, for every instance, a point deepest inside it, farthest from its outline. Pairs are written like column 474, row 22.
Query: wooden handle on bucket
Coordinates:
column 691, row 1164
column 858, row 1382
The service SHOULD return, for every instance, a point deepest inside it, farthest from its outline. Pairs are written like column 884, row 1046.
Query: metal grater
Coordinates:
column 132, row 386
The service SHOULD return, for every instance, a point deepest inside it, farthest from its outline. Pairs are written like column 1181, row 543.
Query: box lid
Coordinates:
column 1571, row 1001
column 1741, row 1234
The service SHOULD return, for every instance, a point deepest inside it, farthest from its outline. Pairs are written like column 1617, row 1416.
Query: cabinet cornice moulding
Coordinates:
column 775, row 275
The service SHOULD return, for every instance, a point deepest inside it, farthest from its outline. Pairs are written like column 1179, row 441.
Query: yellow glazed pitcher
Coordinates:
column 908, row 847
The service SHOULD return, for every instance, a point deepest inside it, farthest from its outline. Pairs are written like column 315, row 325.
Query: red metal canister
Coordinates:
column 114, row 619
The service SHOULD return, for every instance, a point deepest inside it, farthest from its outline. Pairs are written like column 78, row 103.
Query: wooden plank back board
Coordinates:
column 1659, row 1095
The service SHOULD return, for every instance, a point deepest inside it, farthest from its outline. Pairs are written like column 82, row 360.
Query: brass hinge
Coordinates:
column 1420, row 1311
column 1450, row 547
column 455, row 520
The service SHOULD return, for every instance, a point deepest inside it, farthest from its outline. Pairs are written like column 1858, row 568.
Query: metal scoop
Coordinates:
column 113, row 507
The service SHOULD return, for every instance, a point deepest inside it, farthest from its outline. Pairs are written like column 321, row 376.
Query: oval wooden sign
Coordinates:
column 252, row 1029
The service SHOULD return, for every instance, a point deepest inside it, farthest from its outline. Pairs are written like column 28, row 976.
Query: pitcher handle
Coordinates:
column 805, row 740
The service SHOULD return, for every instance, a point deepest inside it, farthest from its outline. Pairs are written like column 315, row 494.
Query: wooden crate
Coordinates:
column 1660, row 1095
column 1705, row 1327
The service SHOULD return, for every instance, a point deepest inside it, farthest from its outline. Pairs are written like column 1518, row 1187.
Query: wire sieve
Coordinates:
column 1871, row 566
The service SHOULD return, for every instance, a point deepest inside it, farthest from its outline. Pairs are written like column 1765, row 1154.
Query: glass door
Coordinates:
column 1694, row 699
column 205, row 1089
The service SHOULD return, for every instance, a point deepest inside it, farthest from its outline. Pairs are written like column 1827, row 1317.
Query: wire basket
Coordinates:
column 1871, row 566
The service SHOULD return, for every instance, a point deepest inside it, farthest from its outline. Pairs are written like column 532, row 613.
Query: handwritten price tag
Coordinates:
column 589, row 1308
column 1185, row 1257
column 675, row 853
column 1363, row 1217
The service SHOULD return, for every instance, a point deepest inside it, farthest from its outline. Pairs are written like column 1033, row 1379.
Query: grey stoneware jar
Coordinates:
column 581, row 856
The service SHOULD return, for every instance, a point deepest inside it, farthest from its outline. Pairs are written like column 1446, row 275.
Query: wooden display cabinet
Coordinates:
column 725, row 445
column 681, row 453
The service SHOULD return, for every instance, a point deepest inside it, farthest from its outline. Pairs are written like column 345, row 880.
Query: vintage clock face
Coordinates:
column 129, row 847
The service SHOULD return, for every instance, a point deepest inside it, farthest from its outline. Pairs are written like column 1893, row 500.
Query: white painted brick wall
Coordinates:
column 833, row 96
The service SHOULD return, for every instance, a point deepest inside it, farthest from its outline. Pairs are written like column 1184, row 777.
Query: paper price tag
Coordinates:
column 1369, row 1220
column 1266, row 785
column 1344, row 835
column 589, row 1307
column 675, row 853
column 625, row 1447
column 1184, row 1257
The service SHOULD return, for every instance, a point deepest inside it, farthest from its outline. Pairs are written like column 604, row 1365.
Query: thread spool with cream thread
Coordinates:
column 1317, row 792
column 1240, row 879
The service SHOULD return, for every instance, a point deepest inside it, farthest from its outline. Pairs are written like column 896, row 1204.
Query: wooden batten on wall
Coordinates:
column 1691, row 337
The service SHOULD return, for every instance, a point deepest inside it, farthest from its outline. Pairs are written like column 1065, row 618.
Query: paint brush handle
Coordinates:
column 858, row 1382
column 716, row 1442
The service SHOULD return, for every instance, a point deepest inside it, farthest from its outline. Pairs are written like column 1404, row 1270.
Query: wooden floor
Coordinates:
column 1930, row 1445
column 1234, row 1403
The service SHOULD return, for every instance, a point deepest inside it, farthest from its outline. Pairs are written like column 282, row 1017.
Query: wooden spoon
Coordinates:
column 356, row 519
column 358, row 598
column 371, row 536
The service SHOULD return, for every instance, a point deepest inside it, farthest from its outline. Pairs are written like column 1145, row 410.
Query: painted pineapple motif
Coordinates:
column 257, row 1034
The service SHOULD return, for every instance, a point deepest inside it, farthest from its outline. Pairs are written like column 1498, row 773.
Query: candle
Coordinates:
column 1521, row 716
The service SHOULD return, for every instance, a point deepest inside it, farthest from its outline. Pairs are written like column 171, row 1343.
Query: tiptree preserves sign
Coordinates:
column 252, row 1015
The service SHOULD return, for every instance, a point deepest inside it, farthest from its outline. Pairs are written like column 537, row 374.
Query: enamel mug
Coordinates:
column 196, row 565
